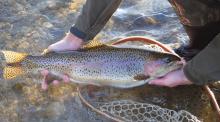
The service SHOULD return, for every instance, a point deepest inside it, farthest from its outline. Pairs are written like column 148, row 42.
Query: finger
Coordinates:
column 46, row 51
column 66, row 78
column 159, row 82
column 164, row 82
column 44, row 73
column 55, row 82
column 58, row 46
column 44, row 85
column 183, row 61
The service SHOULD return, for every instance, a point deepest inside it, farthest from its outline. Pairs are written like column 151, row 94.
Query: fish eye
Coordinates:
column 167, row 60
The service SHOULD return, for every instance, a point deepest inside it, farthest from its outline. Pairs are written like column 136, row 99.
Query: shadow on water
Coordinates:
column 31, row 25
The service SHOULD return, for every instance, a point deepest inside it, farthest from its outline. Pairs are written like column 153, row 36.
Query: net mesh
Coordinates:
column 130, row 111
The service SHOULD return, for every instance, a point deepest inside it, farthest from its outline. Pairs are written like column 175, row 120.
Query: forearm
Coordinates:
column 94, row 16
column 205, row 66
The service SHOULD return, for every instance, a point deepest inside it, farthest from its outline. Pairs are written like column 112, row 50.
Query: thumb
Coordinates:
column 45, row 51
column 159, row 82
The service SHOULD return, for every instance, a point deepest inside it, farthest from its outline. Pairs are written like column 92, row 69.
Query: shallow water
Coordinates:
column 31, row 25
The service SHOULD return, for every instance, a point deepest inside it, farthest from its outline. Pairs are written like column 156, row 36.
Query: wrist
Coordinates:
column 184, row 78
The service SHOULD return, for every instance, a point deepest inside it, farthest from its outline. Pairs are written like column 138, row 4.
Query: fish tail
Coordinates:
column 10, row 72
column 12, row 67
column 14, row 57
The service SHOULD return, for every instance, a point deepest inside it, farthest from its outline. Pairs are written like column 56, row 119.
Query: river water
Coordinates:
column 31, row 25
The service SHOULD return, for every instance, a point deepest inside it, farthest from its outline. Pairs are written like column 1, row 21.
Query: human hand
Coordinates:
column 69, row 42
column 49, row 77
column 172, row 79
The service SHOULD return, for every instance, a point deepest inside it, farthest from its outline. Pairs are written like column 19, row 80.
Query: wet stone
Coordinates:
column 55, row 109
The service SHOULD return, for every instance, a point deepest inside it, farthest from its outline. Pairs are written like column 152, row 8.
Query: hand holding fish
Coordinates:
column 46, row 74
column 69, row 42
column 172, row 79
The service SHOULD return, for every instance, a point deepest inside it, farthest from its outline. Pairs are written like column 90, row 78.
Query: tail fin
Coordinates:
column 13, row 57
column 13, row 67
column 11, row 72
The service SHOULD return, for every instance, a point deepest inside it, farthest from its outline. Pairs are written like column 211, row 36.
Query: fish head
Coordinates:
column 163, row 65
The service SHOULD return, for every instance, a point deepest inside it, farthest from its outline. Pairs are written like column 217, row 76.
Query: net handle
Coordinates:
column 95, row 109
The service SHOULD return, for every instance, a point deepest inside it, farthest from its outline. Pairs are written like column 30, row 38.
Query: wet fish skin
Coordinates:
column 104, row 66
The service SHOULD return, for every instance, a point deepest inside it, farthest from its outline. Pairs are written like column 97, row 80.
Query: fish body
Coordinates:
column 121, row 67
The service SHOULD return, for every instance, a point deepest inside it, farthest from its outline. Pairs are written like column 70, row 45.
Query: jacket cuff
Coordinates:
column 77, row 33
column 192, row 75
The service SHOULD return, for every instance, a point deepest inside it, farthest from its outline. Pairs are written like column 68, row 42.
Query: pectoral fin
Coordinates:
column 139, row 77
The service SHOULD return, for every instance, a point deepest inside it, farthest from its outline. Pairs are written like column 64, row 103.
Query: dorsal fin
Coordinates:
column 141, row 48
column 97, row 43
column 118, row 43
column 92, row 44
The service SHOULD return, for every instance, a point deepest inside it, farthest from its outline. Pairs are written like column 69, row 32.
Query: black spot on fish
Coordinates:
column 141, row 77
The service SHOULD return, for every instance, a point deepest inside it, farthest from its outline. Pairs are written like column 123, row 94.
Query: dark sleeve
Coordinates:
column 200, row 18
column 94, row 16
column 205, row 66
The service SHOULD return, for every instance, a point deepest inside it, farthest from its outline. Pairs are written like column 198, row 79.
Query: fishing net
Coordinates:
column 125, row 106
column 131, row 111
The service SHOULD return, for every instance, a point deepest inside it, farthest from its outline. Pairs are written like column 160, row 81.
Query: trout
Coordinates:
column 104, row 65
